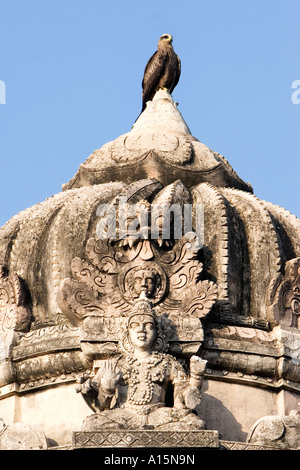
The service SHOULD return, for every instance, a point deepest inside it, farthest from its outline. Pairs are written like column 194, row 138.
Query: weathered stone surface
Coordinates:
column 280, row 432
column 42, row 260
column 19, row 436
column 231, row 445
column 138, row 381
column 106, row 282
column 159, row 146
column 15, row 304
column 144, row 439
column 285, row 295
column 65, row 296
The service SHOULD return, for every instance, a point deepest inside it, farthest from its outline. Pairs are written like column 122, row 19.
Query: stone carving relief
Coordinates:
column 280, row 432
column 176, row 150
column 139, row 299
column 285, row 295
column 19, row 436
column 103, row 287
column 138, row 379
column 15, row 308
column 15, row 320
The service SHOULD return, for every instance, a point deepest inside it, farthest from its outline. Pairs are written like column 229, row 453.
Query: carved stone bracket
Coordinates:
column 252, row 355
column 15, row 320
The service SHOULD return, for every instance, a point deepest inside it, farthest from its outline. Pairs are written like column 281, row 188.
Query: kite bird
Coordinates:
column 162, row 70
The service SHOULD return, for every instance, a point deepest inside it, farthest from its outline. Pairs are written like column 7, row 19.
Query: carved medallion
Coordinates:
column 113, row 277
column 148, row 277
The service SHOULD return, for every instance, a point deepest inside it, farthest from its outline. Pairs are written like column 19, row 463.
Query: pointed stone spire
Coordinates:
column 160, row 146
column 161, row 114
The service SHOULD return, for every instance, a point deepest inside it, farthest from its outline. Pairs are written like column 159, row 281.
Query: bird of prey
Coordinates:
column 162, row 70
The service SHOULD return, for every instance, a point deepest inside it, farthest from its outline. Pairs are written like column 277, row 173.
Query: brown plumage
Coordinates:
column 162, row 70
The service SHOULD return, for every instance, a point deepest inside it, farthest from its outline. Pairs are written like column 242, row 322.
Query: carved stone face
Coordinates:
column 144, row 281
column 142, row 332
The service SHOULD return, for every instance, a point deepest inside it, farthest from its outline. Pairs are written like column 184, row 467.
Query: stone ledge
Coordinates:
column 233, row 445
column 145, row 438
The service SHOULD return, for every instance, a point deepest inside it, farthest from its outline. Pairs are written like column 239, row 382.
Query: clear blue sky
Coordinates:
column 73, row 71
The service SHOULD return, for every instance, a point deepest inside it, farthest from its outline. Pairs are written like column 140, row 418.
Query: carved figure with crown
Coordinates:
column 139, row 300
column 138, row 382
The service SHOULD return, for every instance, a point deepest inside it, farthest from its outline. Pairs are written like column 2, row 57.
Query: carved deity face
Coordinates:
column 142, row 332
column 144, row 281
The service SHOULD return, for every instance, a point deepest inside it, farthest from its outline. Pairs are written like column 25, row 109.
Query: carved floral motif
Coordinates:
column 114, row 276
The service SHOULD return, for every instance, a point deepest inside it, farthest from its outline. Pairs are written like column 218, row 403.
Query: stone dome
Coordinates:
column 158, row 146
column 251, row 251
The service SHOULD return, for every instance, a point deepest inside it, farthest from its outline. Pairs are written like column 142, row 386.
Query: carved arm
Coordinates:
column 192, row 393
column 187, row 389
column 197, row 369
column 98, row 393
column 89, row 390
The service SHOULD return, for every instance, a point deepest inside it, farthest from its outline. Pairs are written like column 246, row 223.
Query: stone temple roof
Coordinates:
column 249, row 240
column 250, row 252
column 159, row 145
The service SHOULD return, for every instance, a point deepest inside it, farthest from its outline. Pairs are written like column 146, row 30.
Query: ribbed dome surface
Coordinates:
column 247, row 241
column 246, row 244
column 40, row 243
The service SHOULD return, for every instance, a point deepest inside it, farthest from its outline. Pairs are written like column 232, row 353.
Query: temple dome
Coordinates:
column 251, row 251
column 247, row 242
